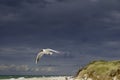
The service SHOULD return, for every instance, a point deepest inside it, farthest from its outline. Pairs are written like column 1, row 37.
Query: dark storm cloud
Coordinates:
column 81, row 29
column 14, row 3
column 90, row 21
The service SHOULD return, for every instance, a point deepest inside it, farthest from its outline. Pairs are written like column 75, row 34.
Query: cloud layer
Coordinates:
column 83, row 30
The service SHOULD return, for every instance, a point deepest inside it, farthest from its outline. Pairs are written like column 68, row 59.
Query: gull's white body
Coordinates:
column 45, row 51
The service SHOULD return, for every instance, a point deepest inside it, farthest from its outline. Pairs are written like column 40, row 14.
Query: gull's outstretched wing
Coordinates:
column 51, row 50
column 39, row 56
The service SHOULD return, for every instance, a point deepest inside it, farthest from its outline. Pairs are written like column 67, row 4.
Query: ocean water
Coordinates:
column 33, row 77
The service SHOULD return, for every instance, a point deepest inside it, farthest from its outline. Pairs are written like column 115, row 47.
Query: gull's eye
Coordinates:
column 41, row 50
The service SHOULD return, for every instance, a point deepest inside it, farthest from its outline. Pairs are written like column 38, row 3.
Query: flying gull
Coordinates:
column 45, row 51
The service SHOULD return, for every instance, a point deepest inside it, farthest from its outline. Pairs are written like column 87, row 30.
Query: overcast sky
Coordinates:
column 82, row 30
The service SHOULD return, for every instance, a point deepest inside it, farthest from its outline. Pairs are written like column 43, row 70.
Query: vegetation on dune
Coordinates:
column 101, row 70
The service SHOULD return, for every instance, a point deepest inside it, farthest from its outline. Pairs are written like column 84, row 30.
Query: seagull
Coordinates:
column 45, row 51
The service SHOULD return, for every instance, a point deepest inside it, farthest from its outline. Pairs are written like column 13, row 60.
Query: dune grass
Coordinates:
column 101, row 69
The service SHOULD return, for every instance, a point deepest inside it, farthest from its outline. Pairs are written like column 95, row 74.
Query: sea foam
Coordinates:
column 38, row 78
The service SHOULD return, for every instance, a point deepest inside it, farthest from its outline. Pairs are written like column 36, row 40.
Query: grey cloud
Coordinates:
column 15, row 50
column 14, row 69
column 114, row 17
column 44, row 69
column 106, row 49
column 41, row 16
column 14, row 3
column 84, row 29
column 27, row 69
column 4, row 67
